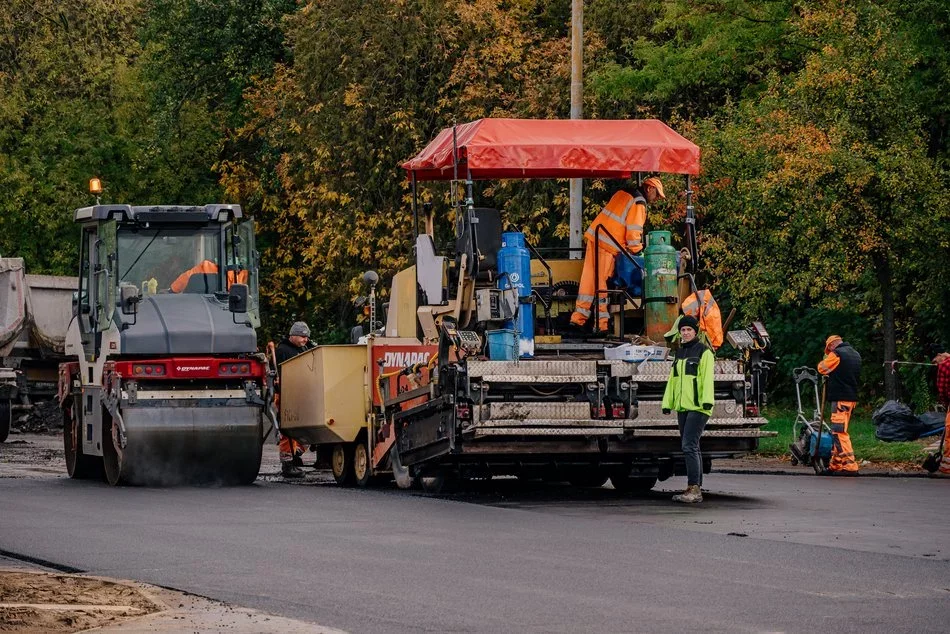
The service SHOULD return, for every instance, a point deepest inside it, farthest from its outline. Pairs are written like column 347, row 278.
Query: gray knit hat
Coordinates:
column 299, row 329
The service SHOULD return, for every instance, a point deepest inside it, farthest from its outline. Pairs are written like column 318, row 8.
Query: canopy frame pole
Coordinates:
column 415, row 207
column 691, row 227
column 576, row 192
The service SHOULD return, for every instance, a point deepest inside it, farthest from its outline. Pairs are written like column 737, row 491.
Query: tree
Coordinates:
column 64, row 78
column 823, row 185
column 370, row 84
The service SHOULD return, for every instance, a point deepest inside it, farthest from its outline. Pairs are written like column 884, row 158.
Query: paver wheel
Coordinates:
column 362, row 472
column 341, row 464
column 588, row 478
column 632, row 484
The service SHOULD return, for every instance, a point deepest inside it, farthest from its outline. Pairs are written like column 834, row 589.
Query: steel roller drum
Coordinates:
column 186, row 443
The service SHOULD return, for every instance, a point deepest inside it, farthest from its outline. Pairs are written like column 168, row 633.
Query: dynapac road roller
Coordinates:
column 165, row 385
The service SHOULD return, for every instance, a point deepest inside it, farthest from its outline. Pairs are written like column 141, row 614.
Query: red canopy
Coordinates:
column 556, row 148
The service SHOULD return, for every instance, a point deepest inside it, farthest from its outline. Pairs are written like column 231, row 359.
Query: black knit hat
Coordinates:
column 688, row 320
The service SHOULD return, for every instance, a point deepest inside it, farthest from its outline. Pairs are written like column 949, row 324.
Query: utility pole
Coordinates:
column 577, row 112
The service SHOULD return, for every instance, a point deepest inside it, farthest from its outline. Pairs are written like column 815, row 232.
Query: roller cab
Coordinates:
column 164, row 385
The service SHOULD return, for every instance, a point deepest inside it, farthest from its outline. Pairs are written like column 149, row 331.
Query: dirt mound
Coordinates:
column 49, row 602
column 44, row 417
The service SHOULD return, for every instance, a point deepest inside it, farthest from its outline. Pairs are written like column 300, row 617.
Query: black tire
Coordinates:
column 440, row 481
column 247, row 474
column 362, row 467
column 112, row 459
column 6, row 418
column 588, row 478
column 633, row 484
column 78, row 465
column 341, row 464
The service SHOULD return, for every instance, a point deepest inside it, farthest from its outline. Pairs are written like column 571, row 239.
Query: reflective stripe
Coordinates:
column 635, row 227
column 612, row 215
column 585, row 298
column 582, row 311
column 701, row 296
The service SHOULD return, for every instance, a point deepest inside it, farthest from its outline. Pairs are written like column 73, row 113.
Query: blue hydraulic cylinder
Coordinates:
column 514, row 271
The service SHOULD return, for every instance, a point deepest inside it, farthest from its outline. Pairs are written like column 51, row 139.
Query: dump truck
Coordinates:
column 164, row 383
column 34, row 313
column 476, row 371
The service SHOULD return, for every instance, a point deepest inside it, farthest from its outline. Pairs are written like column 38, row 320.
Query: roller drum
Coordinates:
column 185, row 443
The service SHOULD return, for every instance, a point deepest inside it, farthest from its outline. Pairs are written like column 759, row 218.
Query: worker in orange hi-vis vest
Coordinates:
column 842, row 368
column 704, row 308
column 623, row 218
column 206, row 267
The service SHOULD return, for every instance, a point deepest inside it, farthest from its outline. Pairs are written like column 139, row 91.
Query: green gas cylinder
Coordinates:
column 660, row 297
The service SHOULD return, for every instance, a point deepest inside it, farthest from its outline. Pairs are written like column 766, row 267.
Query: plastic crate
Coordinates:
column 502, row 344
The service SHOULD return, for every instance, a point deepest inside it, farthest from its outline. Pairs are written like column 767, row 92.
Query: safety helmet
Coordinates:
column 832, row 342
column 655, row 183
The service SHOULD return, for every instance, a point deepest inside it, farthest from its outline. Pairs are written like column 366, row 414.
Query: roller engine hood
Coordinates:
column 186, row 324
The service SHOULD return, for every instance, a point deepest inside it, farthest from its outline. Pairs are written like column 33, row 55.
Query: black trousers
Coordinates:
column 691, row 428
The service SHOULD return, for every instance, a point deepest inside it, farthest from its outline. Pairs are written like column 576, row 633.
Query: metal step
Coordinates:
column 724, row 408
column 485, row 432
column 654, row 371
column 523, row 411
column 709, row 433
column 539, row 378
column 574, row 368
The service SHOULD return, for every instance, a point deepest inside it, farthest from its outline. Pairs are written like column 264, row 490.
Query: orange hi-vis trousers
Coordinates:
column 842, row 453
column 623, row 218
column 590, row 282
column 945, row 454
column 287, row 447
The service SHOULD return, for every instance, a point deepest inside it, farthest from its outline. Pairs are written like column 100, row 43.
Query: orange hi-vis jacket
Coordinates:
column 703, row 307
column 623, row 217
column 207, row 266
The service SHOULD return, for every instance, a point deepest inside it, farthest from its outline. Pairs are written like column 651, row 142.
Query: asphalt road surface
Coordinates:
column 762, row 554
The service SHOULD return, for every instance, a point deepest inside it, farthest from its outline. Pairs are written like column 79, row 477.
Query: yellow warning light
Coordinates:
column 95, row 186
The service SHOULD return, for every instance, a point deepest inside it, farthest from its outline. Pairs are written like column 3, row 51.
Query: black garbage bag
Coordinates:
column 932, row 423
column 895, row 422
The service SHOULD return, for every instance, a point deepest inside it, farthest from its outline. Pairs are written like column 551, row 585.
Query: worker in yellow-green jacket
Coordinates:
column 690, row 393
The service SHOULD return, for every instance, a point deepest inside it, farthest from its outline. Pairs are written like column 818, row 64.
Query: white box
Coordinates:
column 635, row 354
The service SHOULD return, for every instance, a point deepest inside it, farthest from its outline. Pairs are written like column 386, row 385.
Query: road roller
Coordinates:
column 163, row 383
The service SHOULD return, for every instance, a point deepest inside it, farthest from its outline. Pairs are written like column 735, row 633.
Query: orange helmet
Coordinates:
column 832, row 342
column 656, row 184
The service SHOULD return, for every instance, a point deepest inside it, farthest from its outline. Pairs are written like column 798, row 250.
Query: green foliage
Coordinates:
column 694, row 56
column 64, row 68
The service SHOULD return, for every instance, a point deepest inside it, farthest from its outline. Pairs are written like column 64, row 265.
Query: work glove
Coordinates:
column 666, row 410
column 707, row 405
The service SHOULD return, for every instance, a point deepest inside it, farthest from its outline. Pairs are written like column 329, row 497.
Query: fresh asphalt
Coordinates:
column 761, row 554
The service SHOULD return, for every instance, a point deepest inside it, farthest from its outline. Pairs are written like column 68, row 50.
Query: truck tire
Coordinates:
column 626, row 483
column 341, row 464
column 78, row 465
column 6, row 418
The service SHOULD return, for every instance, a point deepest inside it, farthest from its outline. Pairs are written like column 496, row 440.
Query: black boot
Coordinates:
column 290, row 470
